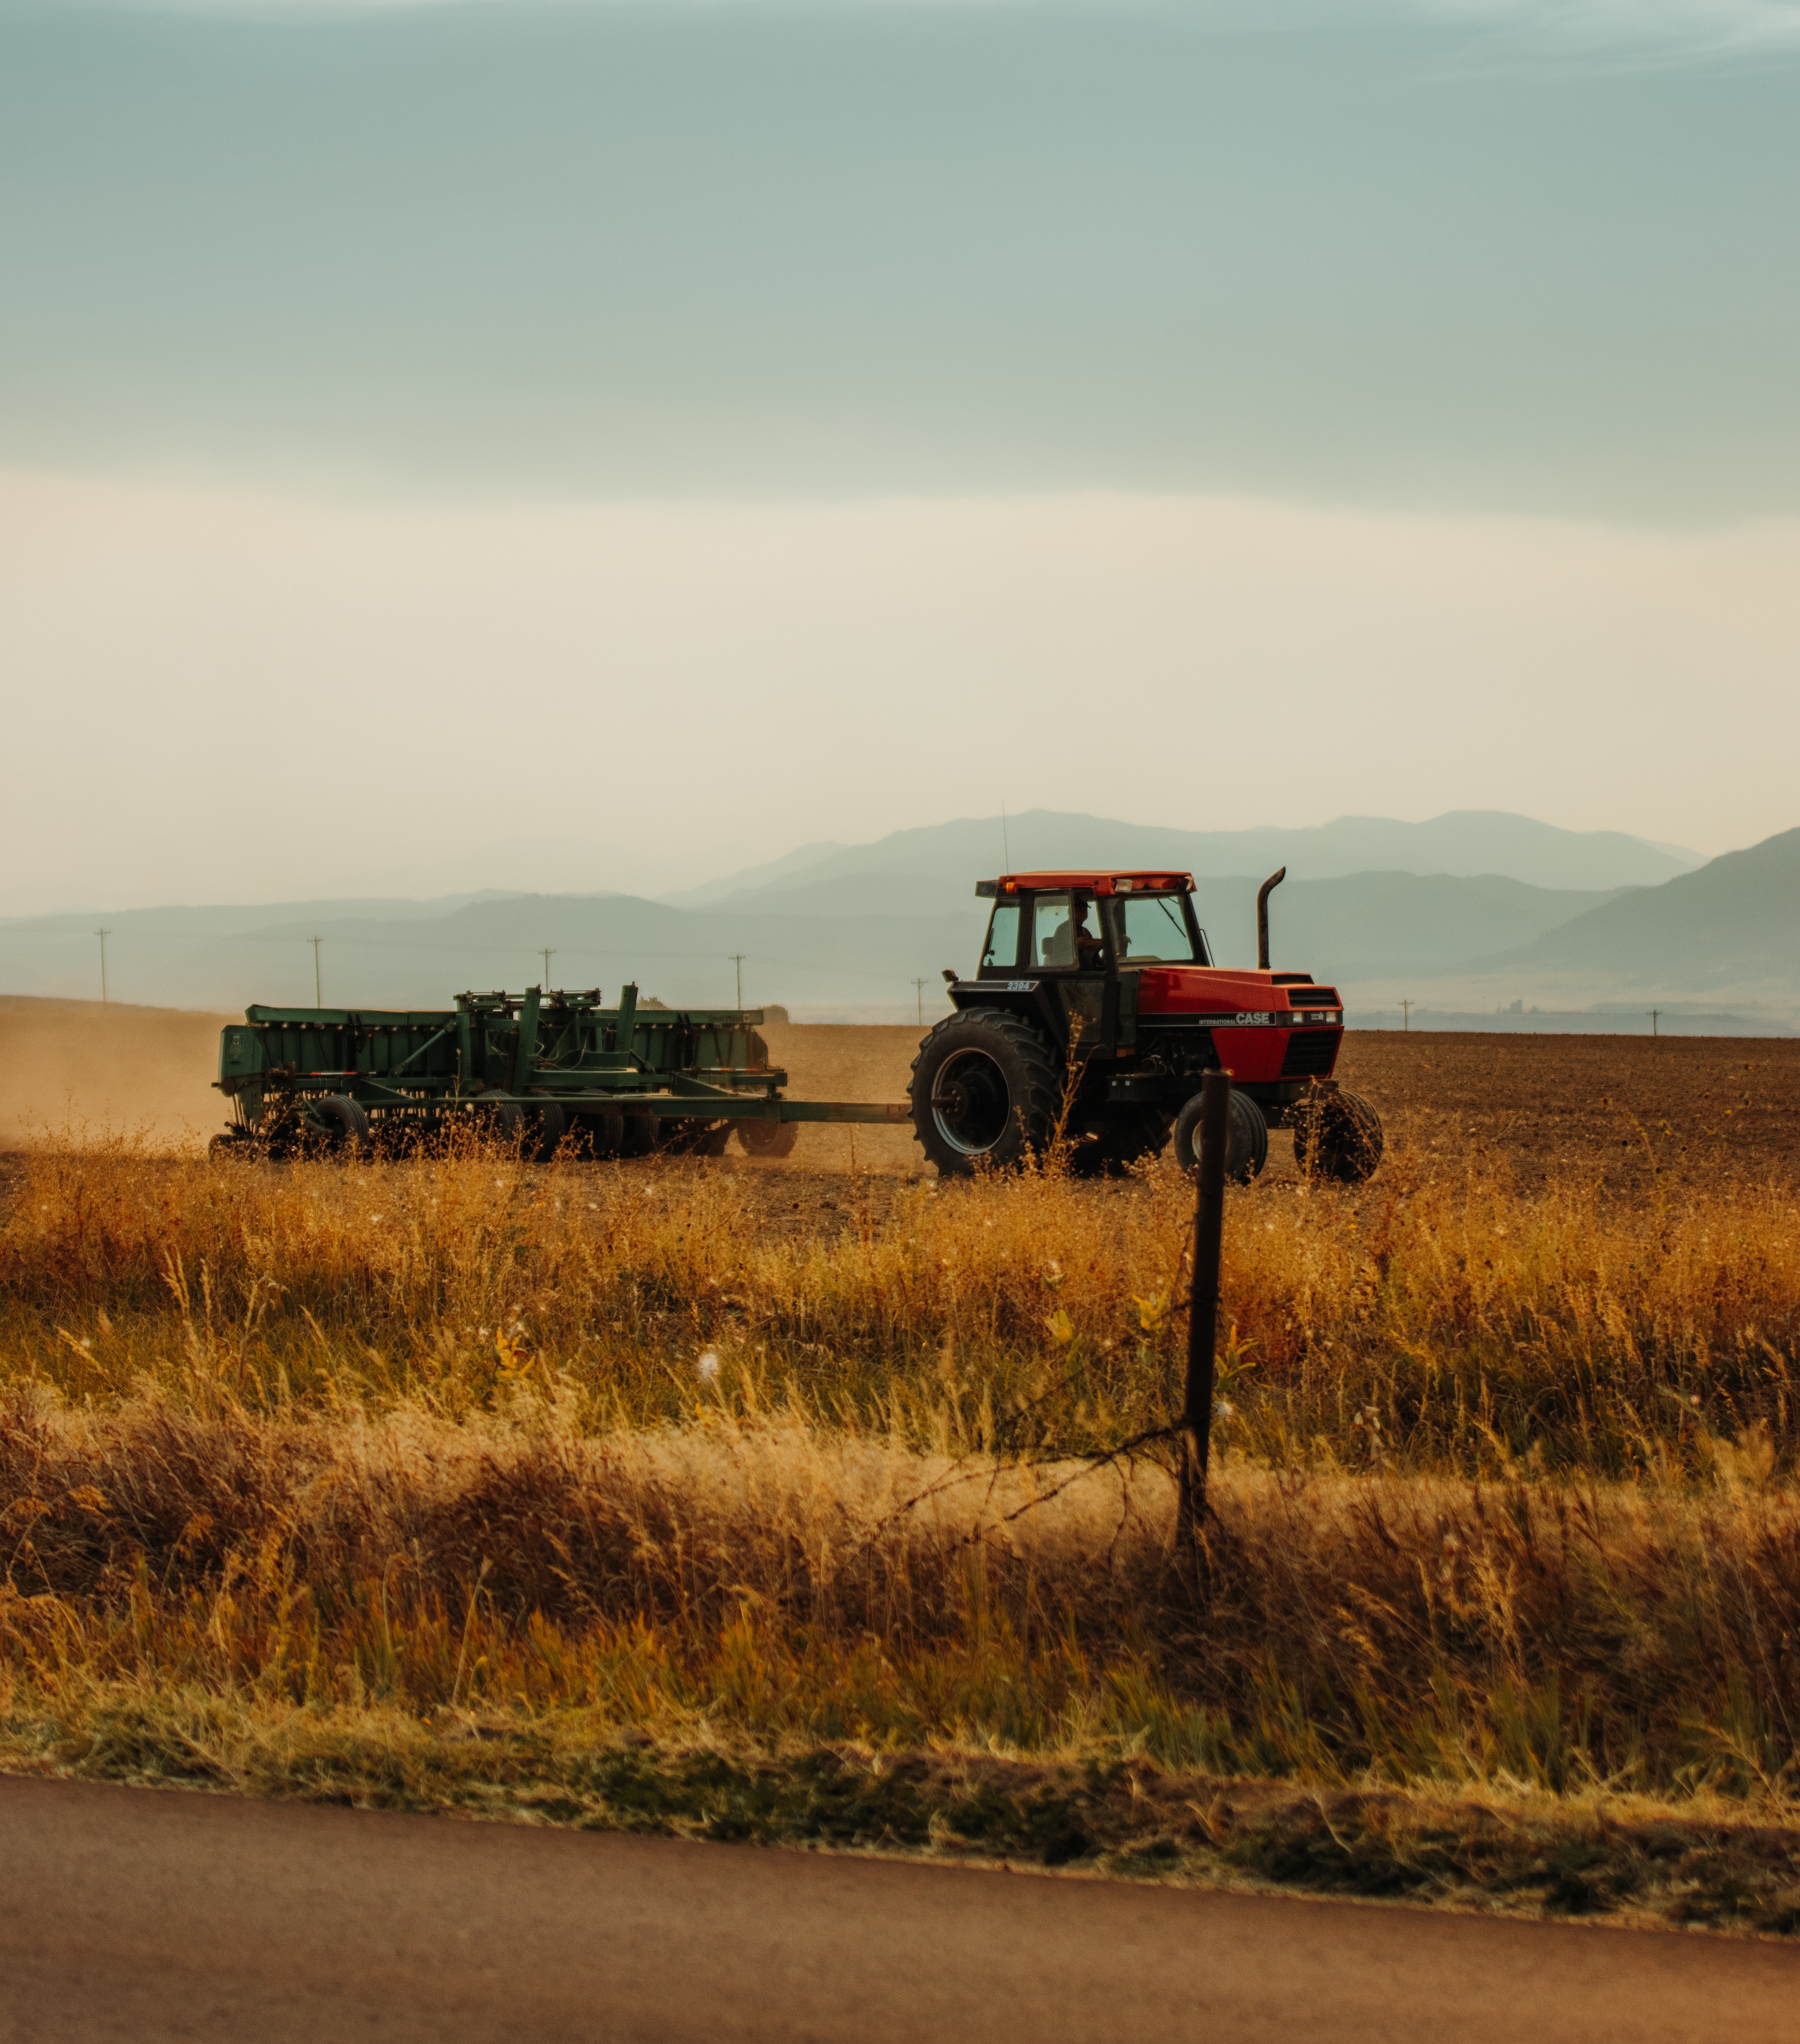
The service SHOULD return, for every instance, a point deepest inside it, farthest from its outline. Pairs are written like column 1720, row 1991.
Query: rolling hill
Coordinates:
column 1734, row 924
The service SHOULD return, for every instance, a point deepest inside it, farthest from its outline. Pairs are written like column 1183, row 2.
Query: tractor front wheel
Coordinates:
column 984, row 1087
column 1247, row 1139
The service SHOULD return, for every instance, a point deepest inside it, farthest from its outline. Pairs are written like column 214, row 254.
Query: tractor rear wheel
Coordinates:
column 1247, row 1139
column 769, row 1138
column 984, row 1086
column 1336, row 1136
column 545, row 1130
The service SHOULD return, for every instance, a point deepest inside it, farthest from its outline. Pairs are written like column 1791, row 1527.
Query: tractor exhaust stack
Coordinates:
column 1262, row 894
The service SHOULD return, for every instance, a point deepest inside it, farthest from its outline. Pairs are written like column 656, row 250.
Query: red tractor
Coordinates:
column 1096, row 1005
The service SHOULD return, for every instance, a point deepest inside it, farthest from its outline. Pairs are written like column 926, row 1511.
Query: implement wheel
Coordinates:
column 544, row 1131
column 1336, row 1136
column 639, row 1135
column 769, row 1138
column 346, row 1125
column 1247, row 1139
column 605, row 1133
column 984, row 1086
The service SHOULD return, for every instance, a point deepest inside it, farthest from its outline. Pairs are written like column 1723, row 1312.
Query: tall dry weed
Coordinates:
column 1430, row 1321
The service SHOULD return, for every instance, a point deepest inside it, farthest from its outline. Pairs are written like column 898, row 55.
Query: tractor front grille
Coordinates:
column 1311, row 1053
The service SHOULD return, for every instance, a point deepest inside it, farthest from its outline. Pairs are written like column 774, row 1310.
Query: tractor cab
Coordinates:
column 1095, row 921
column 1096, row 1007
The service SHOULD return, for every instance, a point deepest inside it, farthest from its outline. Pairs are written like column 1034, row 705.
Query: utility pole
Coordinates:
column 1654, row 1013
column 102, row 935
column 921, row 984
column 737, row 959
column 1406, row 1008
column 318, row 972
column 548, row 954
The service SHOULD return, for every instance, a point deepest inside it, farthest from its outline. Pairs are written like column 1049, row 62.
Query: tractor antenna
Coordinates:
column 1006, row 839
column 318, row 972
column 737, row 959
column 102, row 935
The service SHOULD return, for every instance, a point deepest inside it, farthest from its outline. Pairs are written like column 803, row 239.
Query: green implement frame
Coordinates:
column 323, row 1076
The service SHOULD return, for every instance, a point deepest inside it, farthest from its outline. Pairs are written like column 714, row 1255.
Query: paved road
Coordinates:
column 138, row 1914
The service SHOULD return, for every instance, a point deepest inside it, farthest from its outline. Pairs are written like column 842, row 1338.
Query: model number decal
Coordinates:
column 1021, row 986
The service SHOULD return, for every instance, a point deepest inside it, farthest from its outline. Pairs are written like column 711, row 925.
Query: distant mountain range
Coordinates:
column 846, row 931
column 1463, row 843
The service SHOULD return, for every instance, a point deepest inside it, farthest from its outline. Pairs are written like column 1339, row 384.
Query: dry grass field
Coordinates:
column 799, row 1502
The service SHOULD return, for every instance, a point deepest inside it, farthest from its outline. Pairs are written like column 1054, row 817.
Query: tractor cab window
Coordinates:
column 1155, row 929
column 1065, row 931
column 1000, row 952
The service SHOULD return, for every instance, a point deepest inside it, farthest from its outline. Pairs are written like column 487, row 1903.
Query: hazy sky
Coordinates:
column 647, row 437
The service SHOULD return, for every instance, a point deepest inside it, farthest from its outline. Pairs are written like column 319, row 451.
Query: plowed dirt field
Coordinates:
column 1634, row 1112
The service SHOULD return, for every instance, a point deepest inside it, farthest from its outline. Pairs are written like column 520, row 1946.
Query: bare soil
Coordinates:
column 1634, row 1112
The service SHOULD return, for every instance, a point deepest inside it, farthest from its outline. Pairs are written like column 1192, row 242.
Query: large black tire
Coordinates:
column 1336, row 1136
column 984, row 1088
column 604, row 1132
column 1247, row 1139
column 346, row 1125
column 545, row 1129
column 639, row 1133
column 1108, row 1146
column 501, row 1120
column 769, row 1138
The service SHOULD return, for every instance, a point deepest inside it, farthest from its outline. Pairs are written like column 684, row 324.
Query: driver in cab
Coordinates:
column 1072, row 942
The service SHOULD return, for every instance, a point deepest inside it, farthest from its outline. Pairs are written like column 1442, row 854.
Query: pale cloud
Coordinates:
column 1671, row 29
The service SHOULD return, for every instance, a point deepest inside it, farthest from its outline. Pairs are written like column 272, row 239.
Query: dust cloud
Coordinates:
column 74, row 1073
column 860, row 1061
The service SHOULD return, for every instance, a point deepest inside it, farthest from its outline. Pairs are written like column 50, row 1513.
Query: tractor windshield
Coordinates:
column 1000, row 952
column 1153, row 929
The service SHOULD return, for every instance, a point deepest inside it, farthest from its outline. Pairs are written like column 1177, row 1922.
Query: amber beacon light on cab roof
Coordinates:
column 1096, row 990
